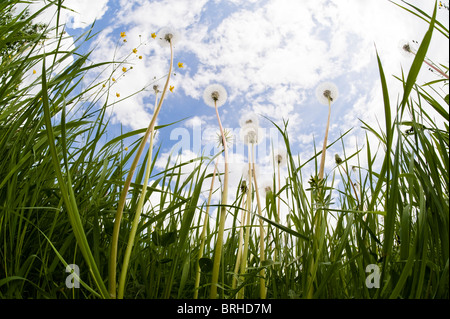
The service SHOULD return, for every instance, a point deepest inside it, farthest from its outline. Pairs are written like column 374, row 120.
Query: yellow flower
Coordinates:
column 180, row 64
column 124, row 69
column 122, row 34
column 153, row 35
column 134, row 50
column 113, row 79
column 103, row 85
column 34, row 71
column 126, row 148
column 117, row 94
column 140, row 57
column 171, row 89
column 124, row 40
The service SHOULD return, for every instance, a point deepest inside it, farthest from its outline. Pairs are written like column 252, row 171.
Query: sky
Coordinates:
column 269, row 55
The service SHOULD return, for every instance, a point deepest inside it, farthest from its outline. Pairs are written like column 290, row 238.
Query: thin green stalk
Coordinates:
column 262, row 280
column 203, row 234
column 240, row 247
column 223, row 213
column 247, row 228
column 137, row 216
column 324, row 147
column 123, row 195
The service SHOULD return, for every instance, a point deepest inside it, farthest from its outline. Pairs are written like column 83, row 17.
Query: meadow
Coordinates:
column 77, row 220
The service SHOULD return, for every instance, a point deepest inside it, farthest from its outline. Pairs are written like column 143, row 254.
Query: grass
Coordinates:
column 61, row 180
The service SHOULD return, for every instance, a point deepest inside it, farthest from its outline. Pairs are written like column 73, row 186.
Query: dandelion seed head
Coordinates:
column 266, row 187
column 406, row 48
column 246, row 172
column 280, row 156
column 250, row 134
column 249, row 119
column 167, row 36
column 215, row 94
column 327, row 91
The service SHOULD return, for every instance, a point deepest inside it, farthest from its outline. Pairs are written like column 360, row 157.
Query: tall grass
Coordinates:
column 61, row 180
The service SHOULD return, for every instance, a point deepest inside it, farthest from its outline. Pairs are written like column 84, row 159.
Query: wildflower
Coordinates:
column 171, row 88
column 215, row 95
column 168, row 36
column 122, row 34
column 249, row 128
column 124, row 40
column 249, row 134
column 281, row 156
column 153, row 35
column 126, row 148
column 180, row 64
column 140, row 57
column 117, row 94
column 266, row 187
column 134, row 50
column 113, row 79
column 327, row 92
column 124, row 69
column 229, row 138
column 246, row 172
column 34, row 71
column 249, row 118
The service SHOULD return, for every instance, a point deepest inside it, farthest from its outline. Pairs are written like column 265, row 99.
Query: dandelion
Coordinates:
column 338, row 159
column 249, row 134
column 180, row 65
column 215, row 95
column 280, row 157
column 249, row 119
column 407, row 49
column 246, row 172
column 326, row 93
column 168, row 39
column 266, row 187
column 168, row 36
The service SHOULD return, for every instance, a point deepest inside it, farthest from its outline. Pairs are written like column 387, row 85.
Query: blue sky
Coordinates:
column 270, row 55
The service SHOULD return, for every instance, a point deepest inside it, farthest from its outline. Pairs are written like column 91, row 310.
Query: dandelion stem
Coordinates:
column 324, row 147
column 223, row 212
column 123, row 195
column 262, row 281
column 239, row 253
column 132, row 236
column 203, row 235
column 247, row 228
